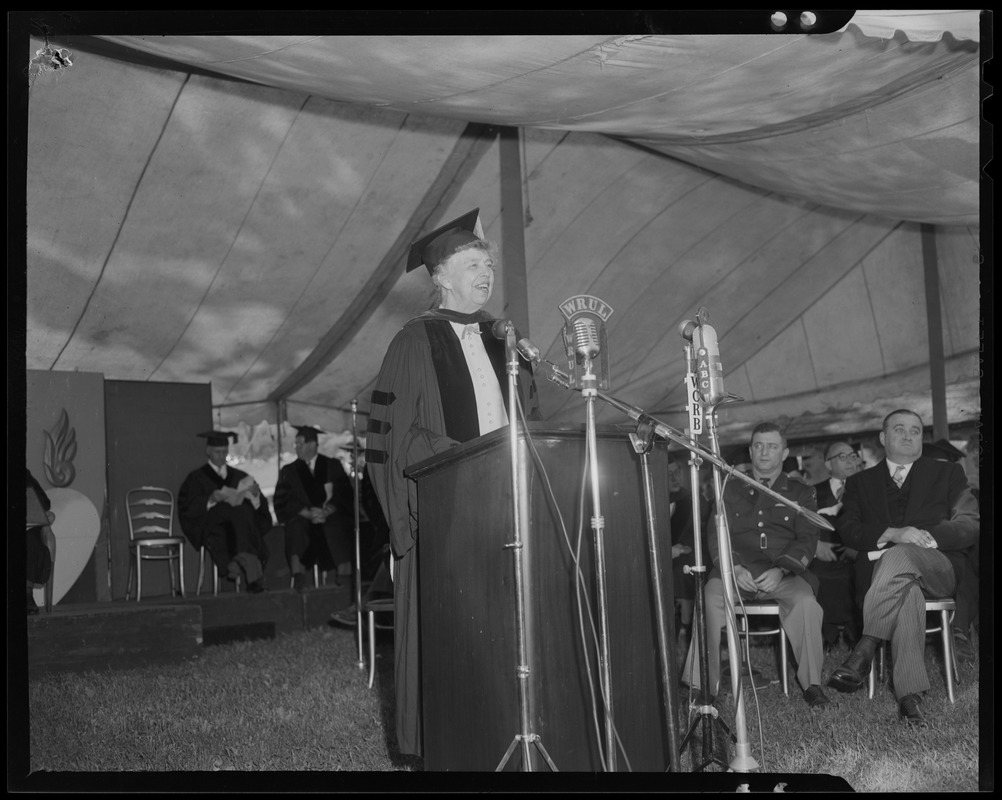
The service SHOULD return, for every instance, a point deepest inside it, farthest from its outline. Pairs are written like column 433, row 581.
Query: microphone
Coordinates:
column 686, row 328
column 525, row 348
column 585, row 339
column 709, row 370
column 586, row 342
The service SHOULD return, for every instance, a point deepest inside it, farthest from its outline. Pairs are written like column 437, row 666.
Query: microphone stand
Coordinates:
column 743, row 760
column 706, row 714
column 589, row 390
column 520, row 517
column 642, row 442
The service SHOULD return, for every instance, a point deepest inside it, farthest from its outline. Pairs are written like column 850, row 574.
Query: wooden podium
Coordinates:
column 468, row 610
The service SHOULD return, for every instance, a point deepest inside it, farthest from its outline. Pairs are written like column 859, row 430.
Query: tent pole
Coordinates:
column 516, row 296
column 934, row 317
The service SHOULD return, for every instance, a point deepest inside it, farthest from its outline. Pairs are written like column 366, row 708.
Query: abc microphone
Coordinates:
column 709, row 371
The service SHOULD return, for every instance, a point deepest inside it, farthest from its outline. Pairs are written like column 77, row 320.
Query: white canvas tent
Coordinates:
column 236, row 209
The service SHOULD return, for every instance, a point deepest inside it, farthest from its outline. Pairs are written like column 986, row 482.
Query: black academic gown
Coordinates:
column 328, row 544
column 423, row 403
column 224, row 530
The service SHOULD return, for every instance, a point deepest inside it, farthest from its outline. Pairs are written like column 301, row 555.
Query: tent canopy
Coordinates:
column 238, row 212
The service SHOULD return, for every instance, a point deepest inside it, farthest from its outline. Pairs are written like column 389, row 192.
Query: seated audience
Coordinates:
column 315, row 502
column 40, row 541
column 916, row 519
column 833, row 562
column 771, row 547
column 221, row 508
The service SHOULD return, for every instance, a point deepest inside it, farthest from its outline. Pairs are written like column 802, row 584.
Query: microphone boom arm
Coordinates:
column 667, row 432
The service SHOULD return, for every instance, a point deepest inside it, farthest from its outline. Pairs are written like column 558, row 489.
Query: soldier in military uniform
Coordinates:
column 771, row 547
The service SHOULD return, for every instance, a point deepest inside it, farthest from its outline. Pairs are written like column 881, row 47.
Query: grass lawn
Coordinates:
column 298, row 704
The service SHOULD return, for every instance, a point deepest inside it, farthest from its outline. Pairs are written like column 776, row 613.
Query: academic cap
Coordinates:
column 942, row 450
column 218, row 438
column 308, row 432
column 433, row 248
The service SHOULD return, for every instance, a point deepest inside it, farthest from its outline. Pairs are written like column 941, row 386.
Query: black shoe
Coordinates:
column 851, row 676
column 298, row 582
column 256, row 587
column 815, row 696
column 32, row 605
column 909, row 711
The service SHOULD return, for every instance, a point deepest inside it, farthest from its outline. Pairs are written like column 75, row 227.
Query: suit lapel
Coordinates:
column 876, row 490
column 920, row 482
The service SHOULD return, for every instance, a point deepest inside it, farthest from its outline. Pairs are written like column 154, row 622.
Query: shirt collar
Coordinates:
column 892, row 467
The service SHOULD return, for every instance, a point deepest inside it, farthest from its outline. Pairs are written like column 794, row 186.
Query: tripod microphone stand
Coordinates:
column 706, row 718
column 643, row 441
column 589, row 390
column 520, row 515
column 743, row 760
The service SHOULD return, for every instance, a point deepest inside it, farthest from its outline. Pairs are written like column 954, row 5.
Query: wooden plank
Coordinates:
column 109, row 637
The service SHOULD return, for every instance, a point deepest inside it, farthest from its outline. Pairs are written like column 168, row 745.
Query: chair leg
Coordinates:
column 372, row 648
column 128, row 585
column 878, row 656
column 949, row 656
column 180, row 567
column 201, row 571
column 139, row 574
column 782, row 662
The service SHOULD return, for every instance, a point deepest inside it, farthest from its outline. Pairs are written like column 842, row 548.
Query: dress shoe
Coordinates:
column 815, row 696
column 298, row 582
column 851, row 676
column 909, row 711
column 256, row 587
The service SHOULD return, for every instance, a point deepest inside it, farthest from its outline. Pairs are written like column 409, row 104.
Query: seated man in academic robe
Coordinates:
column 221, row 508
column 315, row 502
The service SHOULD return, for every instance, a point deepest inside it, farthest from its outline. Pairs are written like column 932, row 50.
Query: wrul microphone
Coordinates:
column 586, row 339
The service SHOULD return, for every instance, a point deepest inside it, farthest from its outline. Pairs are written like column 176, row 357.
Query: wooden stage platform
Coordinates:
column 123, row 634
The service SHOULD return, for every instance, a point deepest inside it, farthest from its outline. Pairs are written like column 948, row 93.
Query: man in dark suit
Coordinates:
column 833, row 563
column 222, row 508
column 315, row 502
column 771, row 546
column 918, row 520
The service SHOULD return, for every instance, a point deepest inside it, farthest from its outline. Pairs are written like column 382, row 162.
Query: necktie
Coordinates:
column 470, row 330
column 899, row 475
column 839, row 493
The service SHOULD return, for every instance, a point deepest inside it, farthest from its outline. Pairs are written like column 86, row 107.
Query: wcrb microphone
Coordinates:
column 586, row 339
